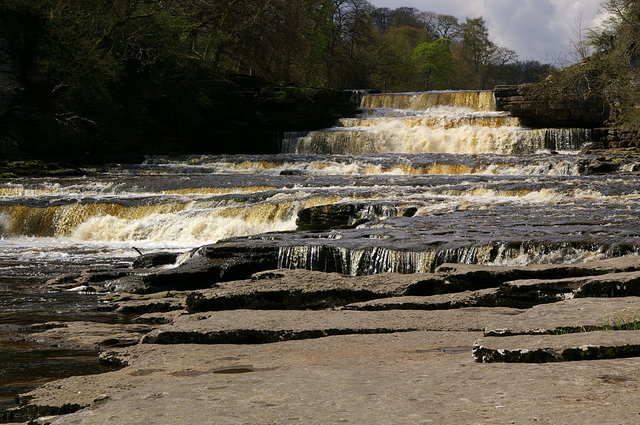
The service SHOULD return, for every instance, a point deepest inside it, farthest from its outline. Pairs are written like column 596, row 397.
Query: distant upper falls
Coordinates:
column 453, row 122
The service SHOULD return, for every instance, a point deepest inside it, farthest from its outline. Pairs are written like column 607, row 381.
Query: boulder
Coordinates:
column 155, row 259
column 348, row 216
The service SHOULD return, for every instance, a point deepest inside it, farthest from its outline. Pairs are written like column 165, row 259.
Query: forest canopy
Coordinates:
column 324, row 43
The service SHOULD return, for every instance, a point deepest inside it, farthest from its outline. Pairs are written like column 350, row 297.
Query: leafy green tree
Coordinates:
column 434, row 61
column 396, row 69
column 477, row 48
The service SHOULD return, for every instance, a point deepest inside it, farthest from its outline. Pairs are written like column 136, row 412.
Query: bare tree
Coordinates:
column 579, row 41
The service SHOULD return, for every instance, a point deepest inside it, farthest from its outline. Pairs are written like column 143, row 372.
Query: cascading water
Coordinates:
column 463, row 122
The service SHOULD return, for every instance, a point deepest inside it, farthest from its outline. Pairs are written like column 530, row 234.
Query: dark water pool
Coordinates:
column 26, row 364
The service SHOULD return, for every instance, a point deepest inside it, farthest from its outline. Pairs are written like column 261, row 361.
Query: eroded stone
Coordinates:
column 576, row 315
column 260, row 326
column 596, row 345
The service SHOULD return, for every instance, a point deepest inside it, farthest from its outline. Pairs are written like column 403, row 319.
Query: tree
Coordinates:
column 407, row 17
column 580, row 47
column 433, row 61
column 396, row 69
column 477, row 48
column 442, row 26
column 382, row 18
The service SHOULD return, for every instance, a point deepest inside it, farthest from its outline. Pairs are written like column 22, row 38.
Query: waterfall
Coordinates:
column 477, row 100
column 190, row 223
column 454, row 122
column 375, row 260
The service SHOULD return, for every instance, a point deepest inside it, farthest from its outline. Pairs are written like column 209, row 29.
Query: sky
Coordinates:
column 535, row 29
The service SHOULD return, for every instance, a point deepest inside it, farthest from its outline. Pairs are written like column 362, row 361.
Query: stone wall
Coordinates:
column 539, row 112
column 616, row 137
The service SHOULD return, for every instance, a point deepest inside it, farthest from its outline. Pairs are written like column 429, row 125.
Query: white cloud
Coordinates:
column 536, row 29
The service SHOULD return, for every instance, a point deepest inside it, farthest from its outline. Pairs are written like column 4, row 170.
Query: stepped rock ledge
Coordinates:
column 276, row 345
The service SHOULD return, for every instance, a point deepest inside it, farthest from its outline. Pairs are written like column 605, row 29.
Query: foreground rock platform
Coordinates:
column 412, row 378
column 296, row 346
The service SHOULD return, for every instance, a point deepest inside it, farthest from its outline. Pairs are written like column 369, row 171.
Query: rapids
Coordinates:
column 485, row 190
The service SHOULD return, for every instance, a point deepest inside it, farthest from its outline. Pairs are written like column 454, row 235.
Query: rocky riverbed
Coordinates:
column 438, row 265
column 299, row 346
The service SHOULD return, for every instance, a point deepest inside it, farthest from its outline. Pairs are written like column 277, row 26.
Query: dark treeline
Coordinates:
column 352, row 44
column 157, row 76
column 608, row 72
column 326, row 43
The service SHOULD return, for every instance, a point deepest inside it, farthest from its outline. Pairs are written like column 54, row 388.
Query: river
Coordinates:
column 438, row 177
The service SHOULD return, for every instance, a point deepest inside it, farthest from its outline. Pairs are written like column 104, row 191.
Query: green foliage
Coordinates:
column 434, row 62
column 94, row 52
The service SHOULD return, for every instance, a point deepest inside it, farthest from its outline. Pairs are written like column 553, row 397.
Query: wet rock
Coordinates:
column 599, row 166
column 215, row 263
column 87, row 277
column 150, row 306
column 570, row 316
column 293, row 173
column 259, row 327
column 347, row 216
column 132, row 283
column 139, row 304
column 89, row 335
column 155, row 259
column 558, row 348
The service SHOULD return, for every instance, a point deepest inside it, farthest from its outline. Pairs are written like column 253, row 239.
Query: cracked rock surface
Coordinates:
column 297, row 346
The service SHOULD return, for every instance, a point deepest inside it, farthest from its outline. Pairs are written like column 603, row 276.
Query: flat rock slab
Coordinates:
column 607, row 285
column 576, row 315
column 408, row 378
column 558, row 348
column 471, row 276
column 89, row 335
column 483, row 297
column 149, row 306
column 267, row 326
column 303, row 289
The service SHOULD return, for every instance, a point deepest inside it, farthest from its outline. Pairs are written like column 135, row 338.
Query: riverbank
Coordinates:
column 466, row 357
